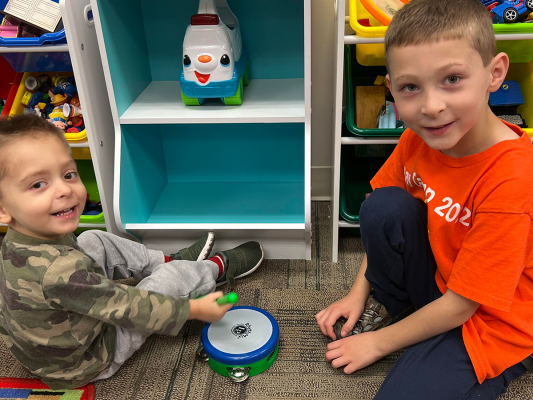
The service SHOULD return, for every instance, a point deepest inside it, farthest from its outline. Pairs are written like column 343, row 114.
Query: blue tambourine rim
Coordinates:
column 245, row 358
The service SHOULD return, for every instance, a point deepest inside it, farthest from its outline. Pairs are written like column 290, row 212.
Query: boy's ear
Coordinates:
column 389, row 85
column 5, row 218
column 499, row 66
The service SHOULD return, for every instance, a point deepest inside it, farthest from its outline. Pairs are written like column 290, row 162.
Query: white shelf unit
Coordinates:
column 87, row 68
column 241, row 171
column 516, row 72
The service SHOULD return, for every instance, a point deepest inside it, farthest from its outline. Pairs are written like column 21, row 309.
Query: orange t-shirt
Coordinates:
column 480, row 231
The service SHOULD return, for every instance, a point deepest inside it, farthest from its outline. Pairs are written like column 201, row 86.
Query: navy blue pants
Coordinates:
column 401, row 270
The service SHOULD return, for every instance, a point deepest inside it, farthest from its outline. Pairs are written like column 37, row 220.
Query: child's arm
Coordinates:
column 350, row 307
column 68, row 285
column 446, row 313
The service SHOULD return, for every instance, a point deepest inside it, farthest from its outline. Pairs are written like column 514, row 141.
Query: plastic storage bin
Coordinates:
column 519, row 51
column 86, row 171
column 37, row 61
column 359, row 164
column 18, row 108
column 357, row 75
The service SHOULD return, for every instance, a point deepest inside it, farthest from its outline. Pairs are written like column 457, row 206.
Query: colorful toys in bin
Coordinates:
column 38, row 103
column 215, row 62
column 506, row 11
column 92, row 208
column 56, row 99
column 505, row 102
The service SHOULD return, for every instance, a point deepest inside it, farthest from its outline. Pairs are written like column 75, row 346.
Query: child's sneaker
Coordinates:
column 374, row 317
column 239, row 262
column 199, row 251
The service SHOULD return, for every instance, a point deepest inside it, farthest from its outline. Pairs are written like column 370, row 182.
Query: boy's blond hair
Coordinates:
column 429, row 21
column 25, row 126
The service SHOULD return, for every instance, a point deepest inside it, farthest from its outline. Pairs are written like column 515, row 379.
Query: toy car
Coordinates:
column 506, row 11
column 215, row 63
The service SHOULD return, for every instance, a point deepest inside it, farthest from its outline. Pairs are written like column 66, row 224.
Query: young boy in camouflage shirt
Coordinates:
column 61, row 315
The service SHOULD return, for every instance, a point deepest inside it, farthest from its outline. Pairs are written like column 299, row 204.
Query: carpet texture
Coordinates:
column 293, row 292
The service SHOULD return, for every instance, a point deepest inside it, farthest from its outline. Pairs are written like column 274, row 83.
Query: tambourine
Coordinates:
column 242, row 344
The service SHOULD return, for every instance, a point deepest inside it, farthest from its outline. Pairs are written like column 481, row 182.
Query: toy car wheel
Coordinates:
column 246, row 78
column 191, row 101
column 529, row 5
column 236, row 99
column 510, row 15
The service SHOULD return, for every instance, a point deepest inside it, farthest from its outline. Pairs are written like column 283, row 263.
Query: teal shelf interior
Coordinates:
column 212, row 173
column 144, row 40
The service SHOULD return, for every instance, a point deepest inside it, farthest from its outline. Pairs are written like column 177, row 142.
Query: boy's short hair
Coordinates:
column 26, row 126
column 429, row 21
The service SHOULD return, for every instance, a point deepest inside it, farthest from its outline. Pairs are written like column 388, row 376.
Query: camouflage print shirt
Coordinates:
column 58, row 310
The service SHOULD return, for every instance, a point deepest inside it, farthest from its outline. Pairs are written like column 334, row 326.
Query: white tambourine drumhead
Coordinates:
column 240, row 331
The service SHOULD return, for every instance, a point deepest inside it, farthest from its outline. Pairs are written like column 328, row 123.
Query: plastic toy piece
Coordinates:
column 387, row 116
column 65, row 89
column 57, row 118
column 42, row 83
column 508, row 95
column 230, row 298
column 215, row 63
column 507, row 11
column 383, row 10
column 38, row 103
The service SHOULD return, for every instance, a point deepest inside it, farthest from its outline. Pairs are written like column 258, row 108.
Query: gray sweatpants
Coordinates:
column 122, row 258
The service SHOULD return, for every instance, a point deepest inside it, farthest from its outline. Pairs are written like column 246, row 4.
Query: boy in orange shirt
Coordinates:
column 447, row 231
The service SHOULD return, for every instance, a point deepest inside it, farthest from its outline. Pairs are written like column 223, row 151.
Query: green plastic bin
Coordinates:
column 356, row 172
column 358, row 75
column 86, row 171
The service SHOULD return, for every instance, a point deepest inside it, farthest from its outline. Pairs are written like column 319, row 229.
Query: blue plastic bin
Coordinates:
column 46, row 61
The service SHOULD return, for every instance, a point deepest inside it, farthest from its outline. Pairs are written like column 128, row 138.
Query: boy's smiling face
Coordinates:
column 441, row 91
column 41, row 193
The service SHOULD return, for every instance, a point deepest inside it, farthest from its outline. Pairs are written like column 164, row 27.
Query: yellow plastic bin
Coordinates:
column 367, row 54
column 519, row 51
column 18, row 108
column 523, row 74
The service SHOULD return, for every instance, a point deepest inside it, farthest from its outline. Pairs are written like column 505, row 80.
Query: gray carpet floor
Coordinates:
column 293, row 291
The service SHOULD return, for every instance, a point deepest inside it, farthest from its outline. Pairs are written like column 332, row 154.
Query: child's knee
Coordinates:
column 90, row 239
column 389, row 203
